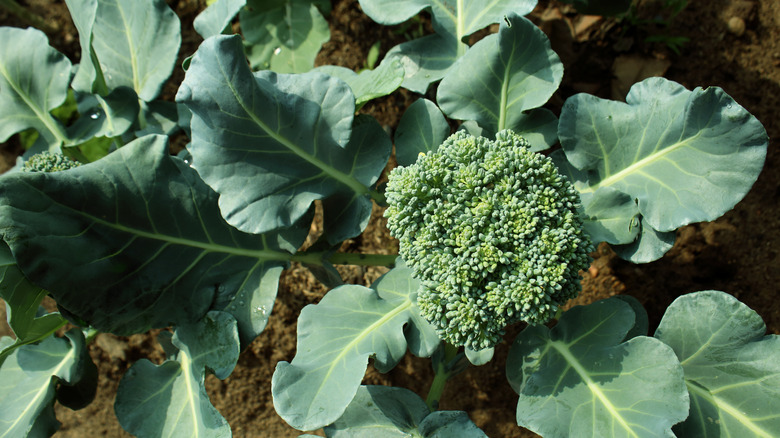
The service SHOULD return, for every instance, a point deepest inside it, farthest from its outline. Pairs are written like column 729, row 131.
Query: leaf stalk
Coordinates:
column 443, row 369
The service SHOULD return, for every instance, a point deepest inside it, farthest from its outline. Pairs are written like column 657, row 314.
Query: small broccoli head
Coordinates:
column 49, row 162
column 493, row 232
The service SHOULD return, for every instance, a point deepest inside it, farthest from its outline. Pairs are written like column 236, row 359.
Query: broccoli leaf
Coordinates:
column 459, row 18
column 731, row 366
column 369, row 84
column 272, row 144
column 171, row 399
column 387, row 412
column 426, row 60
column 23, row 301
column 283, row 36
column 335, row 339
column 502, row 77
column 422, row 129
column 215, row 18
column 586, row 375
column 33, row 81
column 650, row 246
column 135, row 240
column 682, row 156
column 134, row 44
column 29, row 381
column 109, row 116
column 89, row 77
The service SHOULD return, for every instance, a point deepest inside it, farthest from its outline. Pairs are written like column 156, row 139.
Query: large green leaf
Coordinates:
column 732, row 367
column 387, row 412
column 501, row 77
column 592, row 381
column 335, row 339
column 369, row 84
column 135, row 240
column 271, row 144
column 23, row 300
column 215, row 18
column 610, row 215
column 109, row 116
column 135, row 43
column 89, row 78
column 427, row 59
column 283, row 36
column 422, row 129
column 34, row 80
column 460, row 18
column 171, row 399
column 30, row 380
column 681, row 156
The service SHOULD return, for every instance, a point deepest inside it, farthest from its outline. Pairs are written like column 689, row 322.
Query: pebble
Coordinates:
column 736, row 26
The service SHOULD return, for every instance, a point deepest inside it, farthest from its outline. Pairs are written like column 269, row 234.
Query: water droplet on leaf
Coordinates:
column 94, row 116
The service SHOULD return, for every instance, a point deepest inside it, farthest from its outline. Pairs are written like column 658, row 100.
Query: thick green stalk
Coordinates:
column 345, row 258
column 443, row 373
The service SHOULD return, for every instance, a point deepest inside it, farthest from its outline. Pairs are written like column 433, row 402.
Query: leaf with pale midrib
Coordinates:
column 732, row 367
column 135, row 240
column 271, row 144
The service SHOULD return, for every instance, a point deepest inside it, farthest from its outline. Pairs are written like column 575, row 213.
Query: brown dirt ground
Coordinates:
column 736, row 254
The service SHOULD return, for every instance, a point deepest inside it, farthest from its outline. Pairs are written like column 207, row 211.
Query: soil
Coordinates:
column 732, row 44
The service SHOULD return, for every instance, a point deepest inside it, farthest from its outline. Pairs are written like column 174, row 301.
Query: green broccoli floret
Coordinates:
column 492, row 230
column 49, row 162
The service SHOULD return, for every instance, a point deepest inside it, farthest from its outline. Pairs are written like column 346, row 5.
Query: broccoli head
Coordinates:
column 49, row 162
column 492, row 230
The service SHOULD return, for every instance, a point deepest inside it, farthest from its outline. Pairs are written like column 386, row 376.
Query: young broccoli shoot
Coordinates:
column 49, row 162
column 492, row 230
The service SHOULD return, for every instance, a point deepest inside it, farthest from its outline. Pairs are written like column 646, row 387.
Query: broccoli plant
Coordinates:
column 493, row 230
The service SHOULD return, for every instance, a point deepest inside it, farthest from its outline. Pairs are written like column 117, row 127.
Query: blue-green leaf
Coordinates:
column 34, row 80
column 135, row 44
column 109, row 116
column 458, row 17
column 23, row 301
column 683, row 156
column 335, row 339
column 135, row 240
column 171, row 399
column 501, row 77
column 283, row 36
column 649, row 247
column 422, row 129
column 731, row 366
column 369, row 84
column 29, row 380
column 425, row 60
column 612, row 217
column 272, row 144
column 215, row 18
column 450, row 424
column 346, row 214
column 593, row 383
column 89, row 78
column 387, row 412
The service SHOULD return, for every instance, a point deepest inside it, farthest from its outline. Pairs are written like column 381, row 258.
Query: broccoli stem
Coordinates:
column 345, row 258
column 444, row 370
